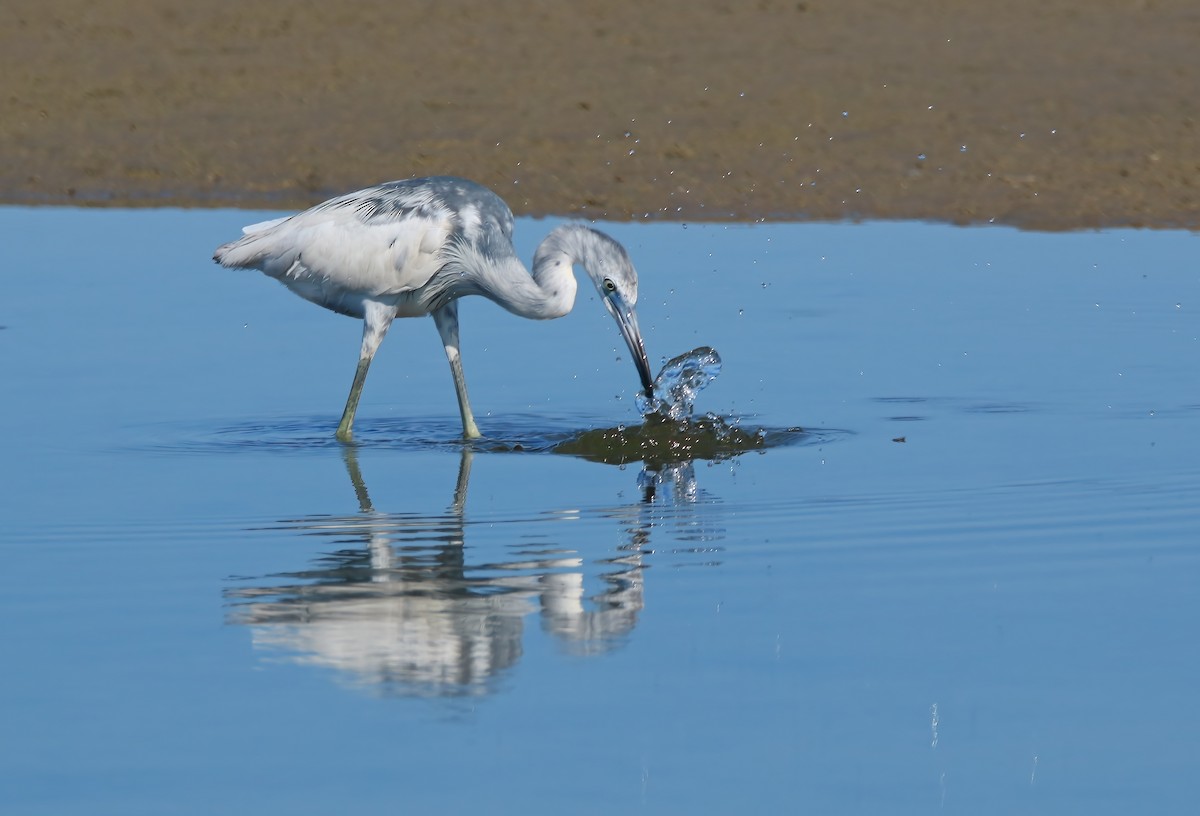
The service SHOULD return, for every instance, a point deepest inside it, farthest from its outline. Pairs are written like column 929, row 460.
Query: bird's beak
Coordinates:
column 627, row 322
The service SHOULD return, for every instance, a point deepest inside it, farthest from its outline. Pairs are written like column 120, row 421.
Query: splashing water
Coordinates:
column 680, row 380
column 670, row 434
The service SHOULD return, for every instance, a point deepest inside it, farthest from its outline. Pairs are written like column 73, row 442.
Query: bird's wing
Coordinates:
column 368, row 243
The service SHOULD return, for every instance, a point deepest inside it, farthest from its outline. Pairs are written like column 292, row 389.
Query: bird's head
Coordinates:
column 608, row 265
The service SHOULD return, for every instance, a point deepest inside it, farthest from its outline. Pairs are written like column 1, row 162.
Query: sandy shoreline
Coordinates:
column 1052, row 115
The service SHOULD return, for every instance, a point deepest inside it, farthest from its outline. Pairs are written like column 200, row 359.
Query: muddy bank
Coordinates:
column 1042, row 114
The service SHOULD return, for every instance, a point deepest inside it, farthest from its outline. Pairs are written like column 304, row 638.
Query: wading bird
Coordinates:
column 414, row 247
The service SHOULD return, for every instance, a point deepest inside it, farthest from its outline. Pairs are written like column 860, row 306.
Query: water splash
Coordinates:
column 669, row 433
column 677, row 385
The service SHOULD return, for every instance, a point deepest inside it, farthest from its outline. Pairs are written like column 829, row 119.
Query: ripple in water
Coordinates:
column 669, row 433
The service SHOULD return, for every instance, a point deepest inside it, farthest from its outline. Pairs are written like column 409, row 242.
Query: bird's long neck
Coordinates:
column 546, row 293
column 549, row 292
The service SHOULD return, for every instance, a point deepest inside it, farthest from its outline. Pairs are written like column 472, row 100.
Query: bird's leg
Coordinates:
column 446, row 319
column 377, row 320
column 360, row 376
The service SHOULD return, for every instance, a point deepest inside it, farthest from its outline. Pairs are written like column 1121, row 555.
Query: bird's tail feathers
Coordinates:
column 246, row 252
column 252, row 249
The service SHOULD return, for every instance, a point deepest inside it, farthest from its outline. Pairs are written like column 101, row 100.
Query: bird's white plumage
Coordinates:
column 413, row 247
column 336, row 260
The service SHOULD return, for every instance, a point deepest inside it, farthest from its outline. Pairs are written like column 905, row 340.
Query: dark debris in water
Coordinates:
column 661, row 440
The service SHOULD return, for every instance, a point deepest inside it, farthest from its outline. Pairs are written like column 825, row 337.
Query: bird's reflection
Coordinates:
column 397, row 608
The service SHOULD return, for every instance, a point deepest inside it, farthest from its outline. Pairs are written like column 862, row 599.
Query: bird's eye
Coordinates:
column 609, row 286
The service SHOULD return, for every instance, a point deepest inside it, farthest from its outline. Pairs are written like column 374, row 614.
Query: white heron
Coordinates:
column 414, row 247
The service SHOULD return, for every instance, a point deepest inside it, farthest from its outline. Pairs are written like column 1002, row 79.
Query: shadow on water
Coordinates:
column 400, row 607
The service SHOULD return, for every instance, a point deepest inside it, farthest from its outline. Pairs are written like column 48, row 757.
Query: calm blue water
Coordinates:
column 970, row 587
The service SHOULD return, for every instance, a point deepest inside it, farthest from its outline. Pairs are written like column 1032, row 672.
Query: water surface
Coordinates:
column 968, row 585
